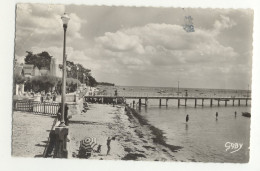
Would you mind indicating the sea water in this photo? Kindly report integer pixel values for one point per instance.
(205, 137)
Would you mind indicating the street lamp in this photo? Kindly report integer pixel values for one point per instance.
(65, 19)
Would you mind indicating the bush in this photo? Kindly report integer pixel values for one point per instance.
(43, 83)
(46, 83)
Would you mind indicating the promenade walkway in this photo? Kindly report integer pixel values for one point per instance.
(30, 134)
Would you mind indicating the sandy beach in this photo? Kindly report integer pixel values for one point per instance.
(135, 138)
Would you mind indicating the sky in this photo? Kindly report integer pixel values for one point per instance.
(144, 46)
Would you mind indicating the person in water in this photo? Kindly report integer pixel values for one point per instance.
(187, 118)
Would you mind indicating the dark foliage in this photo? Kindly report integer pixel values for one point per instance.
(41, 60)
(106, 84)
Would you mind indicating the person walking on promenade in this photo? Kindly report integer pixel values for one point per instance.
(187, 118)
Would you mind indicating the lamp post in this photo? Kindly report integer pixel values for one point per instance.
(65, 19)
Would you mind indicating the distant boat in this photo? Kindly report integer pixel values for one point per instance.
(246, 114)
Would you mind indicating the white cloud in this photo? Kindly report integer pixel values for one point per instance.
(163, 44)
(38, 24)
(164, 48)
(224, 23)
(119, 41)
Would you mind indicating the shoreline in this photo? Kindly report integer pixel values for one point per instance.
(136, 139)
(156, 137)
(159, 138)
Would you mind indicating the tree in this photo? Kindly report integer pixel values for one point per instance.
(92, 81)
(41, 60)
(76, 70)
(106, 84)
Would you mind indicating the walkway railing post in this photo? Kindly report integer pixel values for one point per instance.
(44, 108)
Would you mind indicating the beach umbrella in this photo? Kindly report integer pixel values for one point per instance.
(87, 145)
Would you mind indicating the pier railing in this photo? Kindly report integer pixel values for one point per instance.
(182, 100)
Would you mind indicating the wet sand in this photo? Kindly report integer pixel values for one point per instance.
(135, 138)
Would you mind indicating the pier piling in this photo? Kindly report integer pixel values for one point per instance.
(160, 102)
(178, 102)
(195, 102)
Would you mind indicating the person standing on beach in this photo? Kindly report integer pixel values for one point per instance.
(235, 114)
(216, 115)
(108, 144)
(187, 118)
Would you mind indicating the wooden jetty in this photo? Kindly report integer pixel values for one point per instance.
(182, 101)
